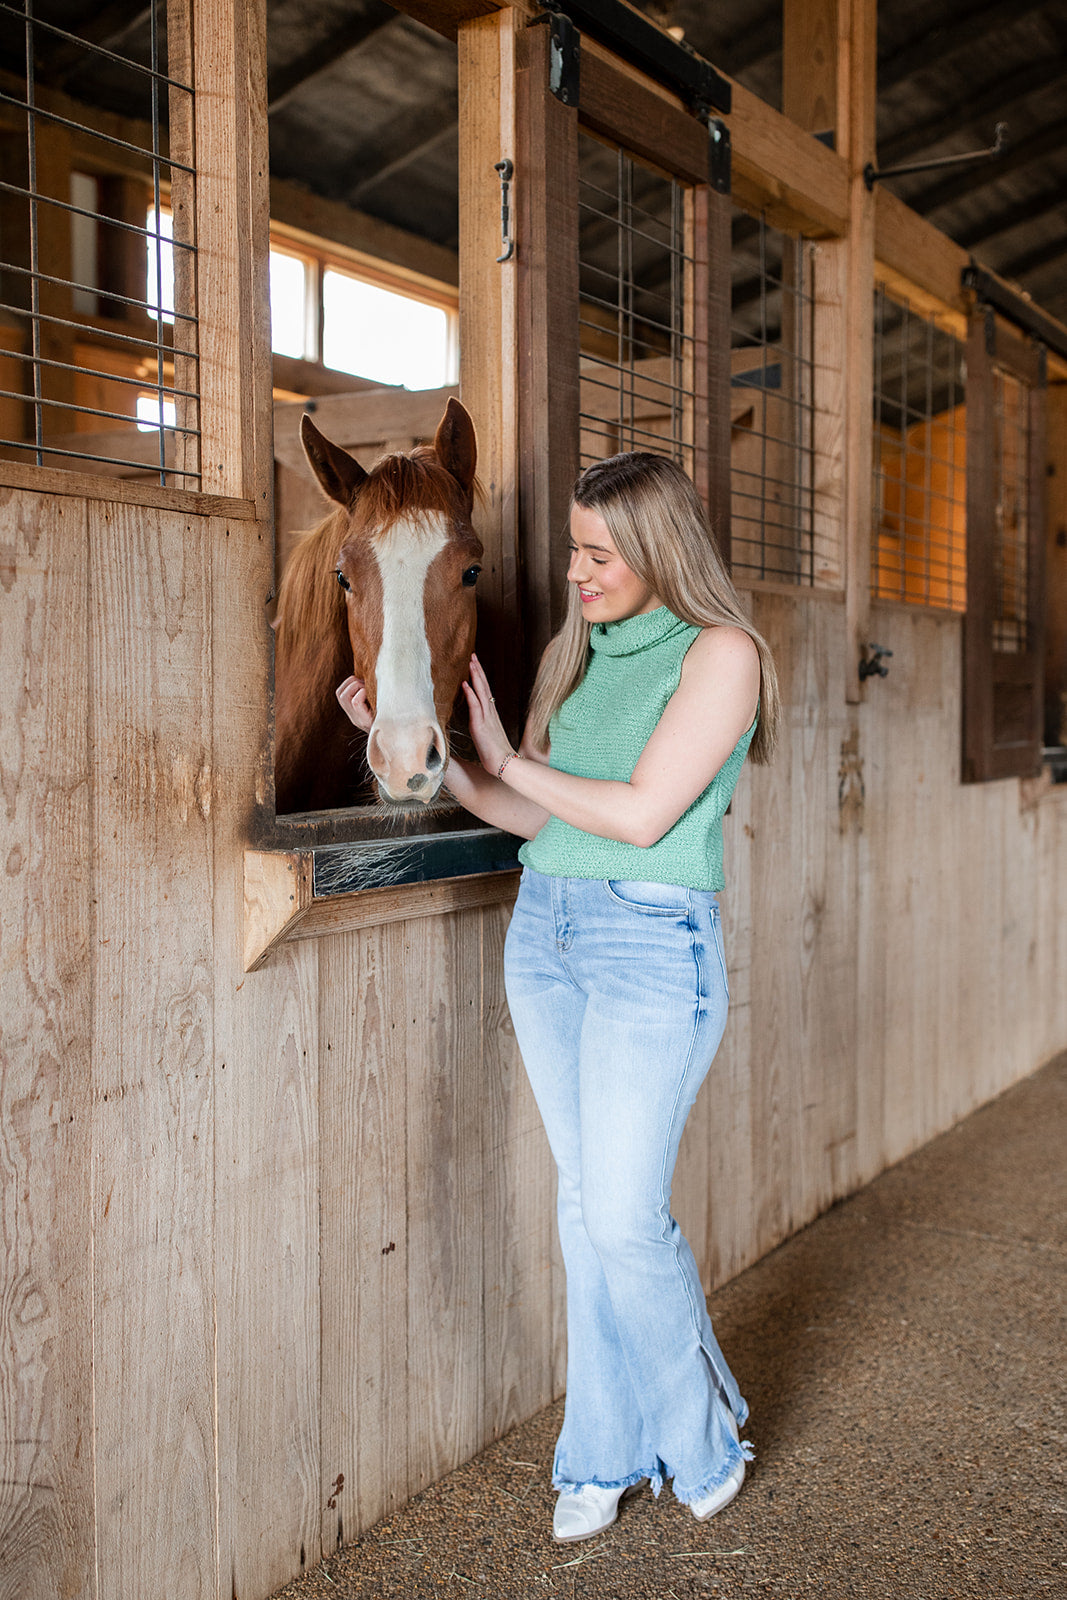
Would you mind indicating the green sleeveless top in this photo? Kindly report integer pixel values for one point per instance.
(600, 731)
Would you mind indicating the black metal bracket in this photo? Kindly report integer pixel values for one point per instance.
(872, 175)
(1014, 307)
(873, 665)
(637, 40)
(506, 169)
(719, 156)
(564, 56)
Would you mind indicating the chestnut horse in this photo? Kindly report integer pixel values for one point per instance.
(382, 589)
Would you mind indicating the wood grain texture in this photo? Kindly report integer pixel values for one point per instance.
(152, 1125)
(488, 318)
(46, 1376)
(267, 1129)
(363, 1090)
(518, 1208)
(435, 1017)
(548, 356)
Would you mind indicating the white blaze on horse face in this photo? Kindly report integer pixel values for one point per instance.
(406, 729)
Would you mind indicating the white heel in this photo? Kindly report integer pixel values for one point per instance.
(720, 1497)
(589, 1512)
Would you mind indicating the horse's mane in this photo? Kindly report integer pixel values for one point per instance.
(399, 484)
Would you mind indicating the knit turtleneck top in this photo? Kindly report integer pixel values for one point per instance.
(600, 731)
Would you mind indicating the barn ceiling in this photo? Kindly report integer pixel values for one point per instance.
(364, 109)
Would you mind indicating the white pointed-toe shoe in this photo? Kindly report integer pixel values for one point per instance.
(589, 1512)
(723, 1493)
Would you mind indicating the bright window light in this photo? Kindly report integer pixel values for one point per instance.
(288, 305)
(160, 287)
(152, 413)
(387, 337)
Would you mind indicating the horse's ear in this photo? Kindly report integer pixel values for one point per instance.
(340, 474)
(455, 444)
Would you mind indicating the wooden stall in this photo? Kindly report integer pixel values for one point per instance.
(279, 1243)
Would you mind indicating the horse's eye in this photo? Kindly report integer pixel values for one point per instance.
(342, 580)
(470, 577)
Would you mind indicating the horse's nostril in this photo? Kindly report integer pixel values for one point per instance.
(433, 759)
(418, 781)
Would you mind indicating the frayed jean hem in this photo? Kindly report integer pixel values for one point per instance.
(653, 1474)
(736, 1455)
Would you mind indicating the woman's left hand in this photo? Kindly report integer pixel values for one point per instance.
(488, 734)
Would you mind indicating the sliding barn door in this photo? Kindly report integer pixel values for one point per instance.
(624, 299)
(1003, 635)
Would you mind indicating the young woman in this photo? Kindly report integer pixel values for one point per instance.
(645, 705)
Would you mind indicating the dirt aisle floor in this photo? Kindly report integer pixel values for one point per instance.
(904, 1361)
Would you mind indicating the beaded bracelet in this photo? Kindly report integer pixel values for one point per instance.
(512, 755)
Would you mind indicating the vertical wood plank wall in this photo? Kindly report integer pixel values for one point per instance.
(279, 1247)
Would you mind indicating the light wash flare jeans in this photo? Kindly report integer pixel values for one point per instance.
(618, 995)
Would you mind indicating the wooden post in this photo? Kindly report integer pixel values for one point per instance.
(233, 248)
(708, 304)
(1056, 569)
(546, 175)
(856, 142)
(488, 380)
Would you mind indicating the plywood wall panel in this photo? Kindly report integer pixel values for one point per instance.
(152, 1054)
(434, 994)
(364, 1178)
(267, 1118)
(518, 1210)
(46, 1401)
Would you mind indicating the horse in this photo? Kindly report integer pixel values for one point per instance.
(383, 589)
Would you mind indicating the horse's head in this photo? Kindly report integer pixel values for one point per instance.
(407, 560)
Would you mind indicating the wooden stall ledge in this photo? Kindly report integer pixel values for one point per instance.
(302, 894)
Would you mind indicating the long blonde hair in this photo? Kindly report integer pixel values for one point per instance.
(660, 529)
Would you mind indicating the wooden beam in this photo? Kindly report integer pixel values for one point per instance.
(968, 29)
(911, 250)
(446, 17)
(488, 314)
(424, 136)
(363, 240)
(797, 182)
(354, 33)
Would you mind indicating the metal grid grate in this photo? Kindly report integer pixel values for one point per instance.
(919, 500)
(773, 525)
(1011, 412)
(87, 325)
(636, 387)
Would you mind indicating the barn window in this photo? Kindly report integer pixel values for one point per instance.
(919, 500)
(1003, 630)
(94, 138)
(773, 531)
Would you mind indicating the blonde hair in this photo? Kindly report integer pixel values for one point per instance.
(660, 529)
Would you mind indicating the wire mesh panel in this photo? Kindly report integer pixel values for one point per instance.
(636, 340)
(919, 500)
(772, 407)
(1011, 416)
(98, 328)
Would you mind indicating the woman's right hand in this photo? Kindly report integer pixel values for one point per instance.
(352, 698)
